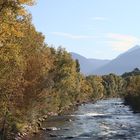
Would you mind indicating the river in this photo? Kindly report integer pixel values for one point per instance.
(105, 120)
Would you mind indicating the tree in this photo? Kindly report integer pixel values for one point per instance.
(113, 85)
(65, 77)
(97, 86)
(13, 18)
(77, 65)
(132, 92)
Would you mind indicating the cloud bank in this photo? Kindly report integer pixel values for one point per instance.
(118, 42)
(121, 42)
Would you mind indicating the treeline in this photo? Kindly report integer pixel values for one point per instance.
(106, 86)
(126, 86)
(37, 80)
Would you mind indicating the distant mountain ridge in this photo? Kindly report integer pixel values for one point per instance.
(87, 66)
(134, 48)
(125, 62)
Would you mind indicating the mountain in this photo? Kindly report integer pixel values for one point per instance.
(134, 48)
(123, 63)
(87, 66)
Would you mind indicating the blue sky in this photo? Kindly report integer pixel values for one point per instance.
(93, 28)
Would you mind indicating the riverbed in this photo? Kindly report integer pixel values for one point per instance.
(105, 120)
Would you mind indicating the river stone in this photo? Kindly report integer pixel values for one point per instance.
(52, 128)
(53, 135)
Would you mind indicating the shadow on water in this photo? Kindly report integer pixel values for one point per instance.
(105, 120)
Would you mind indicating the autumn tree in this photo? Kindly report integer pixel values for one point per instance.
(65, 77)
(77, 65)
(113, 85)
(97, 86)
(13, 18)
(132, 92)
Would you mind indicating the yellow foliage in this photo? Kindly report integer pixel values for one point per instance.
(28, 2)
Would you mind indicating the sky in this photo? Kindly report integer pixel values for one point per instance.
(100, 29)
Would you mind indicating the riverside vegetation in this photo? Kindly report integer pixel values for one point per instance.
(37, 80)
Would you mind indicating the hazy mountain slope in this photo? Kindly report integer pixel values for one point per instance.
(123, 63)
(134, 48)
(87, 66)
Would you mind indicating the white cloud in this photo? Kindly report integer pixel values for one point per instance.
(118, 42)
(98, 18)
(121, 42)
(72, 36)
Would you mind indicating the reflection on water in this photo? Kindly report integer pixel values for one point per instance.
(104, 120)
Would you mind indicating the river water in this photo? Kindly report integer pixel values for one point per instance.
(105, 120)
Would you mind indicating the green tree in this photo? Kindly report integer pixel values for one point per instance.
(77, 65)
(97, 86)
(132, 92)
